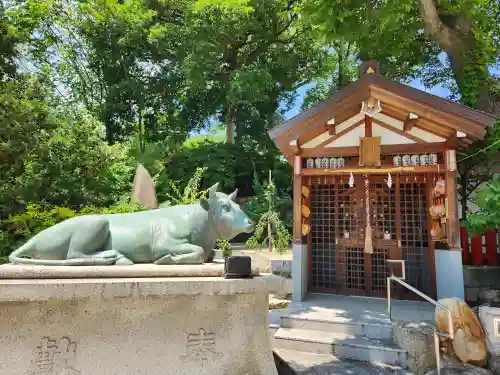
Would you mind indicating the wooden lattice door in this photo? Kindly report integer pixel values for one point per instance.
(339, 263)
(398, 219)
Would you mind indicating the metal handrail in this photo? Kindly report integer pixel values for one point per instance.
(436, 333)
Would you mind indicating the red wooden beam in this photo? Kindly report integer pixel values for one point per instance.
(477, 250)
(368, 126)
(491, 247)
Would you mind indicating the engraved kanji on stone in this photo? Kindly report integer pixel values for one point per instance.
(45, 356)
(53, 358)
(201, 346)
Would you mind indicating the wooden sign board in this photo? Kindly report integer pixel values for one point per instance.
(369, 151)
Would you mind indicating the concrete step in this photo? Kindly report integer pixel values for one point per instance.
(337, 324)
(340, 345)
(290, 362)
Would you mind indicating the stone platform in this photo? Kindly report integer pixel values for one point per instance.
(134, 325)
(328, 334)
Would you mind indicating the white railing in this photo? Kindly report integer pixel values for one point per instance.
(436, 332)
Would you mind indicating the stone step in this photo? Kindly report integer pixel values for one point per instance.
(338, 324)
(291, 362)
(340, 345)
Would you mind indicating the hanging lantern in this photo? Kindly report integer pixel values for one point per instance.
(406, 160)
(415, 160)
(433, 159)
(424, 159)
(340, 162)
(325, 163)
(310, 163)
(397, 160)
(333, 162)
(389, 180)
(317, 162)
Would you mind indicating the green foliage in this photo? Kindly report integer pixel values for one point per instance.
(269, 221)
(227, 164)
(488, 215)
(76, 167)
(225, 247)
(192, 191)
(258, 204)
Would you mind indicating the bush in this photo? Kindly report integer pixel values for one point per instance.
(225, 247)
(230, 165)
(488, 215)
(54, 155)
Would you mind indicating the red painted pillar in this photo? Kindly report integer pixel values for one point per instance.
(476, 244)
(464, 240)
(491, 247)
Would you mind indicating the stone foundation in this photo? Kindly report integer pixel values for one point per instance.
(478, 280)
(150, 326)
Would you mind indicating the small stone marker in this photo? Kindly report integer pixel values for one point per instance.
(143, 190)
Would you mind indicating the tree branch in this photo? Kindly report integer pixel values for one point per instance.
(446, 37)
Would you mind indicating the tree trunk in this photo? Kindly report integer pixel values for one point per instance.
(229, 125)
(459, 46)
(340, 81)
(140, 137)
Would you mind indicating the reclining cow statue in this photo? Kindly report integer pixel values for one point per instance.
(184, 234)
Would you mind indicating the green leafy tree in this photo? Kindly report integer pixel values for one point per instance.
(270, 221)
(477, 166)
(241, 63)
(75, 166)
(406, 35)
(338, 71)
(488, 202)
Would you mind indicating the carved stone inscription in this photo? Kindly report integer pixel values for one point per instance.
(201, 346)
(54, 357)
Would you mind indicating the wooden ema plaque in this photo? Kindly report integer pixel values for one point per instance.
(369, 151)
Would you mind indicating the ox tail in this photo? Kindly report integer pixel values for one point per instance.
(27, 250)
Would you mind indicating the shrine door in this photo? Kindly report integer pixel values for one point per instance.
(338, 262)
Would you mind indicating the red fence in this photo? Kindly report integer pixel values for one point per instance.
(481, 250)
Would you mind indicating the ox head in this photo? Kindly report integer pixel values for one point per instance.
(228, 218)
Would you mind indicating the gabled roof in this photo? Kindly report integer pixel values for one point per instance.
(440, 117)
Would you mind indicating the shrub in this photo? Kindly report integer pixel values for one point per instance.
(225, 247)
(488, 215)
(269, 221)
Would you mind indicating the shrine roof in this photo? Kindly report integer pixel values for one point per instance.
(439, 120)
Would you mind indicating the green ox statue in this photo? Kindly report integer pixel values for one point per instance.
(184, 234)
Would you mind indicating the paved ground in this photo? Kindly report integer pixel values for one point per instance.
(319, 364)
(360, 309)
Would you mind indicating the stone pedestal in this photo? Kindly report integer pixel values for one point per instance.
(130, 326)
(490, 320)
(417, 339)
(299, 272)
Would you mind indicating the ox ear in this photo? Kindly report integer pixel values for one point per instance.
(213, 190)
(233, 195)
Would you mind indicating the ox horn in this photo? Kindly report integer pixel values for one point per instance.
(213, 190)
(233, 195)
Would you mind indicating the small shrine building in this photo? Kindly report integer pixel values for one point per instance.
(374, 180)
